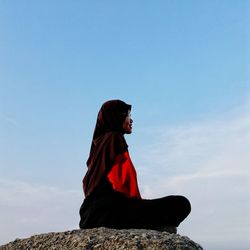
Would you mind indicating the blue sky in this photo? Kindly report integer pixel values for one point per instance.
(184, 67)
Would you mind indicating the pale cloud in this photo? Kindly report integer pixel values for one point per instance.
(191, 147)
(208, 162)
(9, 119)
(28, 209)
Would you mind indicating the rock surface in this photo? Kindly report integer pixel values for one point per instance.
(105, 239)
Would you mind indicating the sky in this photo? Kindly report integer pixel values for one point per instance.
(184, 67)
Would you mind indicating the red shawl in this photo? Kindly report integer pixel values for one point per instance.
(123, 177)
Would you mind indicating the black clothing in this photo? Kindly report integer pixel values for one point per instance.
(106, 208)
(118, 211)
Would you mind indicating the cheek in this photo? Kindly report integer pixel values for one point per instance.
(126, 123)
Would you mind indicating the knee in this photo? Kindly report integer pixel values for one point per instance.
(185, 205)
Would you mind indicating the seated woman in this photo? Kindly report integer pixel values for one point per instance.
(112, 197)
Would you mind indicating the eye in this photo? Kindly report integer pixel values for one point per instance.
(127, 114)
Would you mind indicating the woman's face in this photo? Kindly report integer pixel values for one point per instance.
(127, 124)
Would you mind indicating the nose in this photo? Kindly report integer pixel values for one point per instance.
(131, 121)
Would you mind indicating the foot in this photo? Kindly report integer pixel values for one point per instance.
(169, 229)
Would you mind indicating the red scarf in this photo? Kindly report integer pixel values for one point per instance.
(123, 177)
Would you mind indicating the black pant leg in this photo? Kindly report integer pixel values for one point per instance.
(169, 210)
(118, 211)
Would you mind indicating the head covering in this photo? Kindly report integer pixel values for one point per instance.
(110, 118)
(108, 141)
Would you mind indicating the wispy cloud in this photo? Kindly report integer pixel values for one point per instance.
(9, 119)
(31, 209)
(209, 163)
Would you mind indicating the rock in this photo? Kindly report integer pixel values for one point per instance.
(105, 239)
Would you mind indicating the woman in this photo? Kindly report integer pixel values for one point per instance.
(112, 197)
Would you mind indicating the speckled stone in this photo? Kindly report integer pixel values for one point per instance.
(105, 239)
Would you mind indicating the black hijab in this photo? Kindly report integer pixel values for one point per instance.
(108, 141)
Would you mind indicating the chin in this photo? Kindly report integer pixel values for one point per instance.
(128, 132)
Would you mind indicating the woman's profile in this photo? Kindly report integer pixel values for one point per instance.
(112, 196)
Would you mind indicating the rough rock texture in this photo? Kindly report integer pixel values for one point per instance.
(107, 239)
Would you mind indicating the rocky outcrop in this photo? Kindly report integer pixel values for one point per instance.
(105, 239)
